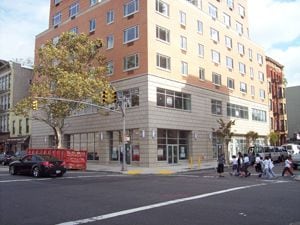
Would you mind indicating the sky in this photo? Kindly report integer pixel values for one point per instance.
(273, 24)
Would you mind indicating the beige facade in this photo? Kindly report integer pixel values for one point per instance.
(185, 76)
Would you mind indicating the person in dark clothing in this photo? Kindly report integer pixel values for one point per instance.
(221, 162)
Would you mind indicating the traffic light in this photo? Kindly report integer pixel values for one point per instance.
(105, 97)
(113, 96)
(34, 104)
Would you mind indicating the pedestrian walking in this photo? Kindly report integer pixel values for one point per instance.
(266, 171)
(258, 161)
(234, 165)
(288, 166)
(221, 162)
(246, 165)
(271, 166)
(240, 162)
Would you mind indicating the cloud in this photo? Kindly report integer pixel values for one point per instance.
(273, 25)
(20, 21)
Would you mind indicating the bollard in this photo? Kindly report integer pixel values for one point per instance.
(191, 162)
(199, 162)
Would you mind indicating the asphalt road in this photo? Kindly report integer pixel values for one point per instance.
(191, 198)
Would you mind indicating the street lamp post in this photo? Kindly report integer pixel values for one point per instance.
(124, 133)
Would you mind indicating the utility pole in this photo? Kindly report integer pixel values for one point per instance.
(123, 109)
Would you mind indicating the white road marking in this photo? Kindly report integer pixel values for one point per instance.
(60, 178)
(157, 205)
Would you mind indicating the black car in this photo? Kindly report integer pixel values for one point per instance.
(38, 165)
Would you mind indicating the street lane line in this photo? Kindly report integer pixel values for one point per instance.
(157, 205)
(59, 178)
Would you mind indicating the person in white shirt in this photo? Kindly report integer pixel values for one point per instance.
(271, 166)
(234, 166)
(266, 167)
(258, 164)
(288, 166)
(246, 165)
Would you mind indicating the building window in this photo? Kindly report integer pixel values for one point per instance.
(130, 34)
(260, 59)
(227, 20)
(215, 56)
(132, 95)
(14, 127)
(163, 61)
(73, 10)
(27, 125)
(216, 107)
(201, 50)
(213, 11)
(261, 76)
(241, 49)
(199, 27)
(92, 25)
(252, 90)
(110, 17)
(110, 41)
(250, 54)
(216, 79)
(183, 43)
(262, 94)
(163, 34)
(230, 4)
(229, 62)
(251, 73)
(239, 28)
(173, 99)
(228, 42)
(230, 83)
(93, 2)
(184, 68)
(162, 7)
(57, 19)
(182, 18)
(259, 115)
(242, 68)
(20, 126)
(131, 62)
(131, 7)
(237, 111)
(243, 87)
(110, 68)
(241, 11)
(201, 73)
(214, 34)
(56, 2)
(74, 30)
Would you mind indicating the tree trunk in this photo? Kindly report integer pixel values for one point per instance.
(58, 137)
(226, 152)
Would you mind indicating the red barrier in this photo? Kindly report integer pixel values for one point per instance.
(72, 158)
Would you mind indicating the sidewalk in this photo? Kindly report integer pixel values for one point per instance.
(134, 170)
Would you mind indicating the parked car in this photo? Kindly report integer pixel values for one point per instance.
(292, 148)
(296, 160)
(38, 165)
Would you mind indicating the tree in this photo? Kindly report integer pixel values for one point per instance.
(251, 136)
(71, 69)
(224, 134)
(273, 137)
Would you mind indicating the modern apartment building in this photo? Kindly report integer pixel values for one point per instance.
(277, 98)
(182, 64)
(15, 80)
(293, 109)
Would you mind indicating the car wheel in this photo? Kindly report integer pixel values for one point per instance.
(12, 170)
(36, 172)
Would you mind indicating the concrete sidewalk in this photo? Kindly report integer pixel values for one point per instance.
(132, 170)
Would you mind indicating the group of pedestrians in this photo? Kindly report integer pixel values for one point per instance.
(263, 166)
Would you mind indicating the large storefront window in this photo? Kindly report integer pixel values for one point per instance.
(172, 145)
(132, 145)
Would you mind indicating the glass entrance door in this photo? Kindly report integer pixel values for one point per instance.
(172, 154)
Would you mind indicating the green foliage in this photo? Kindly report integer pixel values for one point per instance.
(273, 137)
(251, 136)
(72, 69)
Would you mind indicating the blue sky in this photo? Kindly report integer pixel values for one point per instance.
(273, 25)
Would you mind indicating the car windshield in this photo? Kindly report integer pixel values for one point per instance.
(48, 158)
